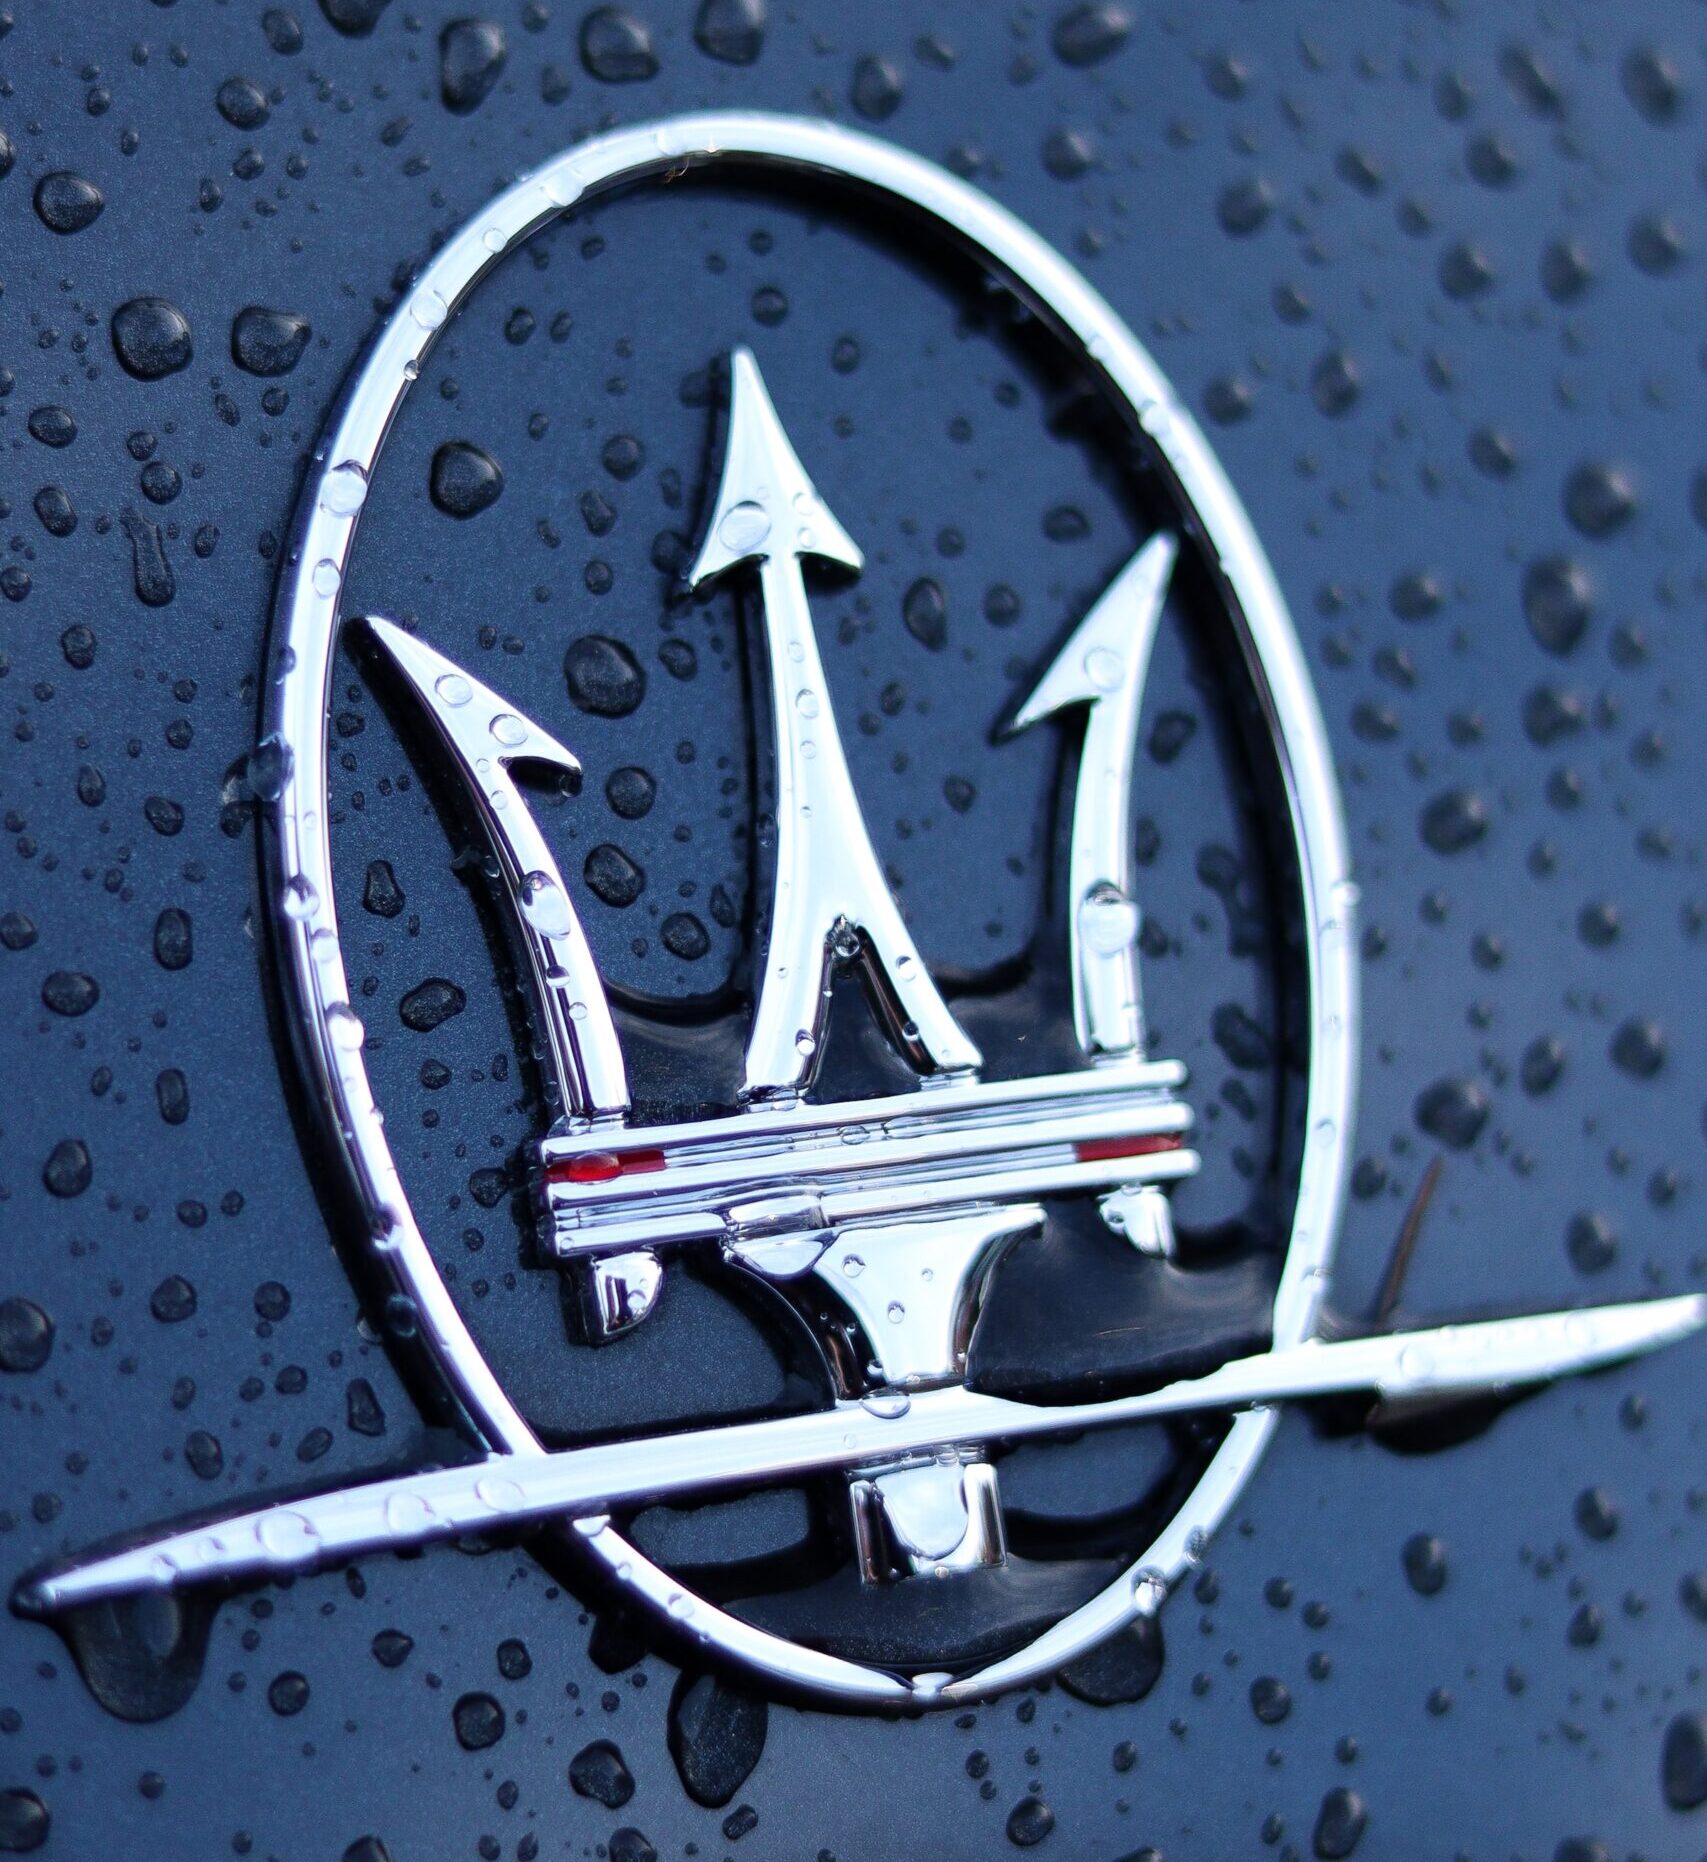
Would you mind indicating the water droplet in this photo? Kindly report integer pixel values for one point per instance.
(325, 578)
(288, 1536)
(497, 1492)
(453, 688)
(67, 203)
(345, 1025)
(151, 338)
(1416, 1362)
(268, 342)
(429, 309)
(744, 527)
(1108, 921)
(344, 490)
(547, 910)
(853, 1265)
(406, 1513)
(1103, 667)
(299, 899)
(509, 729)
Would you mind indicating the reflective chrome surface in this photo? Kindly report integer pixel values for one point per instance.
(828, 894)
(308, 619)
(485, 736)
(1102, 667)
(910, 1292)
(509, 1490)
(958, 1143)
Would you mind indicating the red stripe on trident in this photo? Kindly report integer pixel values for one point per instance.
(605, 1166)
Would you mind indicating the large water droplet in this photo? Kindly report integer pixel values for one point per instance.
(345, 1027)
(344, 490)
(547, 910)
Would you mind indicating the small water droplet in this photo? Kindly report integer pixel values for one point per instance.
(325, 578)
(1103, 667)
(288, 1536)
(406, 1513)
(453, 688)
(500, 1494)
(744, 526)
(299, 899)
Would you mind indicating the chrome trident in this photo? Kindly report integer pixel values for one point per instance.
(1103, 665)
(830, 894)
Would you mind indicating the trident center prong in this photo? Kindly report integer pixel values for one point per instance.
(1103, 667)
(830, 896)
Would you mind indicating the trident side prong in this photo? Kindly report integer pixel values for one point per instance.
(830, 893)
(1103, 666)
(485, 735)
(581, 1058)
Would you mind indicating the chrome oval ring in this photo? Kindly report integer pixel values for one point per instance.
(306, 622)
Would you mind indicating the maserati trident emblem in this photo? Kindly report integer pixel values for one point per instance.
(878, 1221)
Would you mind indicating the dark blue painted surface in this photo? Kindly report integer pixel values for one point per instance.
(1385, 139)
